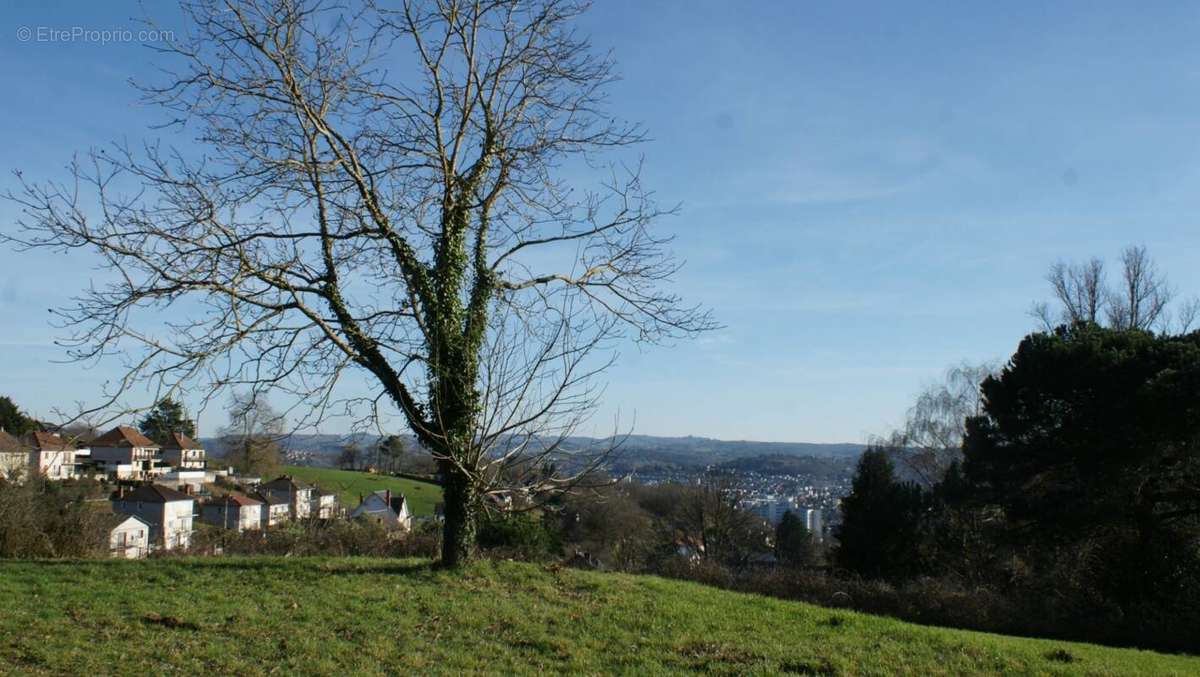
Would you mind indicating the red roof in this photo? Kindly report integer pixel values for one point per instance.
(8, 443)
(235, 500)
(50, 442)
(180, 441)
(123, 436)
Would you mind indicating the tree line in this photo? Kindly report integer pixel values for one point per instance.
(1073, 485)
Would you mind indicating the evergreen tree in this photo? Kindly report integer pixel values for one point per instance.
(793, 542)
(12, 419)
(878, 537)
(168, 416)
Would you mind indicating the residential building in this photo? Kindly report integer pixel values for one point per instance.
(14, 458)
(128, 536)
(390, 510)
(168, 512)
(274, 509)
(52, 457)
(298, 495)
(183, 453)
(232, 511)
(325, 504)
(126, 446)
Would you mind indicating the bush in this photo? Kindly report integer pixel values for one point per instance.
(41, 519)
(521, 535)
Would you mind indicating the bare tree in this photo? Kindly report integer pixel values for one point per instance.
(1142, 298)
(1140, 301)
(1186, 315)
(933, 431)
(379, 193)
(251, 440)
(1080, 290)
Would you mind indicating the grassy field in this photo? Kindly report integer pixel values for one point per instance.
(370, 616)
(348, 485)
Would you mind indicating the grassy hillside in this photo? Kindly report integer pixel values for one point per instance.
(348, 485)
(365, 616)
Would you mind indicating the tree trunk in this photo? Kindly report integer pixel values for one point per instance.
(460, 512)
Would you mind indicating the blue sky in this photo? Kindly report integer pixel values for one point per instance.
(870, 192)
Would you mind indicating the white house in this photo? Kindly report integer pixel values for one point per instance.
(184, 480)
(125, 446)
(325, 504)
(183, 453)
(232, 511)
(14, 458)
(274, 510)
(391, 510)
(168, 512)
(298, 495)
(52, 457)
(128, 536)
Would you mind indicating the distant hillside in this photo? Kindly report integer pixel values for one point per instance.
(636, 451)
(300, 616)
(821, 468)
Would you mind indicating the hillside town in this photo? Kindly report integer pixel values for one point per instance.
(163, 489)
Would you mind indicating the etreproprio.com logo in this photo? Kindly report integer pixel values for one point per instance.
(99, 36)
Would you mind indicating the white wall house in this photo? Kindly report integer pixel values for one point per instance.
(125, 446)
(298, 495)
(14, 458)
(53, 457)
(168, 512)
(183, 453)
(128, 537)
(391, 510)
(275, 510)
(231, 511)
(324, 505)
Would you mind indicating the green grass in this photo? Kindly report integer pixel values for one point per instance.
(370, 616)
(349, 484)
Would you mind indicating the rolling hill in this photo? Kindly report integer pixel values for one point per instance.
(349, 485)
(370, 616)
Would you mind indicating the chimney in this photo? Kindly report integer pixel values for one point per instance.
(387, 497)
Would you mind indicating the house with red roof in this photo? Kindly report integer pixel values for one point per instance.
(182, 452)
(14, 458)
(52, 456)
(126, 450)
(233, 511)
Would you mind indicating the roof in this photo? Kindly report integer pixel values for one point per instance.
(234, 499)
(10, 444)
(263, 497)
(111, 521)
(50, 442)
(123, 436)
(180, 441)
(396, 505)
(153, 493)
(286, 482)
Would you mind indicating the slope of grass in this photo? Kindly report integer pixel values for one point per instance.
(349, 485)
(370, 616)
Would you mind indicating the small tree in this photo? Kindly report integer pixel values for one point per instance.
(349, 456)
(793, 542)
(393, 448)
(168, 416)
